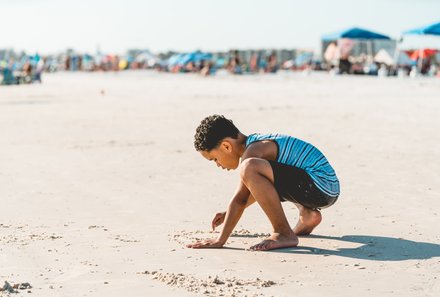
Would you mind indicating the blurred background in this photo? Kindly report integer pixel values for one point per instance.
(377, 37)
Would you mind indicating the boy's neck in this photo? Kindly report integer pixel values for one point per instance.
(241, 143)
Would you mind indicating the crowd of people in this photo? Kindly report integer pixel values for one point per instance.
(25, 69)
(21, 71)
(345, 57)
(364, 65)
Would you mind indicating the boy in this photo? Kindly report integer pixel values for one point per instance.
(273, 168)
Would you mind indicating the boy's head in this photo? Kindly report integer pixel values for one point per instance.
(216, 139)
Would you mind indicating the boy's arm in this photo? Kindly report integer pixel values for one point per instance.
(239, 202)
(220, 216)
(236, 207)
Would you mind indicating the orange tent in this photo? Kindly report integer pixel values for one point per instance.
(422, 54)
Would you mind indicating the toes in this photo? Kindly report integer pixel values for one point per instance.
(255, 247)
(266, 245)
(262, 246)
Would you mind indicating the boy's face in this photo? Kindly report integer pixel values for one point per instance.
(223, 155)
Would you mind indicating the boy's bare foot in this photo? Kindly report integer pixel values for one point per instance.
(276, 241)
(308, 220)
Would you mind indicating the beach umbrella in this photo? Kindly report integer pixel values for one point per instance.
(195, 57)
(174, 59)
(185, 59)
(422, 54)
(433, 29)
(203, 57)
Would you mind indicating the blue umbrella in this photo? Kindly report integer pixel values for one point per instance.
(186, 58)
(174, 59)
(354, 33)
(303, 59)
(194, 57)
(433, 29)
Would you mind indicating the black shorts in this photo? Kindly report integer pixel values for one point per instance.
(295, 185)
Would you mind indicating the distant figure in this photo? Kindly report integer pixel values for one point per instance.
(432, 70)
(74, 63)
(67, 63)
(234, 65)
(8, 77)
(414, 72)
(402, 72)
(39, 70)
(344, 65)
(273, 168)
(254, 63)
(80, 63)
(27, 72)
(208, 69)
(272, 65)
(383, 71)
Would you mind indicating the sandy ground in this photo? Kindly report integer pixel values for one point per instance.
(101, 187)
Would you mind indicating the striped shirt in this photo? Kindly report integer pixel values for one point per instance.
(295, 152)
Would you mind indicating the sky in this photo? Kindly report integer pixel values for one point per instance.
(51, 26)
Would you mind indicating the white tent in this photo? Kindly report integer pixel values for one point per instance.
(144, 56)
(384, 57)
(331, 53)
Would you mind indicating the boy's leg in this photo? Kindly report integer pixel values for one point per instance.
(308, 220)
(258, 177)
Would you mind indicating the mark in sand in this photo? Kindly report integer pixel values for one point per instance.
(185, 237)
(212, 286)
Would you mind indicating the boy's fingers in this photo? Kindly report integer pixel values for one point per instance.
(214, 222)
(194, 245)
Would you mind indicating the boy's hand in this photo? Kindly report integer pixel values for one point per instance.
(207, 243)
(218, 219)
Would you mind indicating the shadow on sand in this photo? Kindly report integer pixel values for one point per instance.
(375, 248)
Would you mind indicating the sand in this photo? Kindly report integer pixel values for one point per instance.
(101, 187)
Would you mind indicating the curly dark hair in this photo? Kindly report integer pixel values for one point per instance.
(212, 130)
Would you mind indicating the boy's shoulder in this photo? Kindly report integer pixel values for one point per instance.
(264, 149)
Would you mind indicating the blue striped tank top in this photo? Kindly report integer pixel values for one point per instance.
(295, 152)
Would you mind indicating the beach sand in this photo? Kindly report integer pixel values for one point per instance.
(101, 187)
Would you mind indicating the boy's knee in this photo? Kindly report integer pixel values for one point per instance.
(249, 167)
(312, 218)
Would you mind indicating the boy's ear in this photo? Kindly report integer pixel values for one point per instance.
(226, 145)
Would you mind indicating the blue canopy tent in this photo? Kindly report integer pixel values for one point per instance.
(354, 33)
(433, 29)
